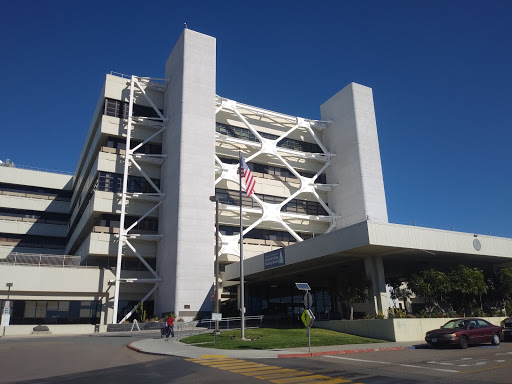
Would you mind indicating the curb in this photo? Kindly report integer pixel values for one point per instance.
(311, 354)
(130, 346)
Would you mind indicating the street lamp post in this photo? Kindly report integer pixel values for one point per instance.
(217, 309)
(8, 285)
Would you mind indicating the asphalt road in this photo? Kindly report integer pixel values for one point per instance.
(106, 359)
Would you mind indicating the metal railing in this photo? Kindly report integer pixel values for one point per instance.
(39, 169)
(234, 322)
(18, 258)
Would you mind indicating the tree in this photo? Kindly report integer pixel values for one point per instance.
(353, 290)
(468, 284)
(432, 286)
(397, 292)
(500, 289)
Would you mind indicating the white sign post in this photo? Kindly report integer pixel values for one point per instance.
(6, 315)
(308, 318)
(216, 317)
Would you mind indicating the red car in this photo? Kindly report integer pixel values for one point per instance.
(465, 331)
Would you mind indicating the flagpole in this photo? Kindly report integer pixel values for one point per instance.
(242, 299)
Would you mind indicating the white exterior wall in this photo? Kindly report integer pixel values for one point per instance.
(58, 283)
(13, 175)
(185, 254)
(406, 236)
(352, 136)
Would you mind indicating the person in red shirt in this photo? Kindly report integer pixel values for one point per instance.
(170, 326)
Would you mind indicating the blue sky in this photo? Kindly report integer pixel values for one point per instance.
(440, 73)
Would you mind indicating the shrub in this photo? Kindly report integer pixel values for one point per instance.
(396, 313)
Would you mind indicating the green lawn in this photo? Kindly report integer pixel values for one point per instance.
(270, 338)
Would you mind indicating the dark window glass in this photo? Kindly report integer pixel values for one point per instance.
(296, 206)
(116, 108)
(246, 134)
(277, 171)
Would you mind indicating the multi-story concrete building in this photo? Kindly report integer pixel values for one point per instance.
(136, 220)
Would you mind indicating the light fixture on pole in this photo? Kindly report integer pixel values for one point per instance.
(215, 199)
(8, 285)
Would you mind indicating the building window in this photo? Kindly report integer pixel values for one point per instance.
(55, 312)
(275, 171)
(246, 134)
(113, 182)
(263, 234)
(116, 108)
(231, 197)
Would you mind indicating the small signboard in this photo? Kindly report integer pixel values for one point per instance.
(308, 300)
(274, 259)
(307, 318)
(216, 316)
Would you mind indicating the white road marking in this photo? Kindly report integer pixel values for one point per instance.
(400, 365)
(462, 362)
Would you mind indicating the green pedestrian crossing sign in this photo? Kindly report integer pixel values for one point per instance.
(307, 318)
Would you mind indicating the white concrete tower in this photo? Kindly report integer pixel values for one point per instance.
(185, 255)
(352, 136)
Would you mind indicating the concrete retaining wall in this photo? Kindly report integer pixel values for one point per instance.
(390, 329)
(60, 329)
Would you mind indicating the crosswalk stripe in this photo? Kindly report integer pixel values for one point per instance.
(213, 361)
(224, 363)
(300, 379)
(331, 380)
(255, 369)
(209, 360)
(273, 374)
(282, 374)
(232, 367)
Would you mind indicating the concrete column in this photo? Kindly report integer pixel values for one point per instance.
(186, 219)
(352, 136)
(377, 293)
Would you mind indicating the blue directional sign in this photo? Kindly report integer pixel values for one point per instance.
(274, 259)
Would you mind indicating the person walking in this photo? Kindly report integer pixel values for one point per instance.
(170, 326)
(164, 329)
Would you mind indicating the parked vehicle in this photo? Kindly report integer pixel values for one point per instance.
(465, 331)
(506, 325)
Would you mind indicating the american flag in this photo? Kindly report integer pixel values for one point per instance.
(249, 179)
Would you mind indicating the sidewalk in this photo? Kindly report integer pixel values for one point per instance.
(173, 347)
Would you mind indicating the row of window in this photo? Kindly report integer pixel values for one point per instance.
(149, 224)
(120, 143)
(34, 216)
(264, 301)
(231, 197)
(113, 182)
(116, 108)
(56, 194)
(275, 171)
(246, 134)
(32, 241)
(263, 234)
(127, 264)
(55, 312)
